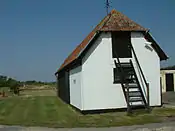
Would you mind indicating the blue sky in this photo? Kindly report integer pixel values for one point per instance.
(37, 35)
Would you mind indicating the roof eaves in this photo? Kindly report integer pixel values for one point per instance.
(87, 44)
(156, 46)
(79, 53)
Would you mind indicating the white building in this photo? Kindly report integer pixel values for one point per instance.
(168, 79)
(116, 66)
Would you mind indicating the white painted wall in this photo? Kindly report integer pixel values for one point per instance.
(99, 92)
(75, 87)
(150, 64)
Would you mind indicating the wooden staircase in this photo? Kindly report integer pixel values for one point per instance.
(133, 92)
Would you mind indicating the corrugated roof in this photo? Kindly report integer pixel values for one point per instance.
(168, 68)
(114, 21)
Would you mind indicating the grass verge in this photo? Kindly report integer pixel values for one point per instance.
(50, 111)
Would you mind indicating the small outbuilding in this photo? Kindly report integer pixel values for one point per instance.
(168, 79)
(116, 66)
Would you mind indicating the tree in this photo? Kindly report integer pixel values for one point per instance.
(3, 80)
(13, 85)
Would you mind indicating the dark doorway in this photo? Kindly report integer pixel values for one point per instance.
(169, 82)
(63, 86)
(120, 44)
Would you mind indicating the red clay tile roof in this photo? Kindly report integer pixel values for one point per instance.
(120, 22)
(114, 21)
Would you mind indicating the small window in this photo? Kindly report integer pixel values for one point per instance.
(127, 72)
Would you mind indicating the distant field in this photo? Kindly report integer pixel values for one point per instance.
(42, 92)
(31, 92)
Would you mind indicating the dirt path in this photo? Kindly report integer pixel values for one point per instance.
(169, 98)
(148, 127)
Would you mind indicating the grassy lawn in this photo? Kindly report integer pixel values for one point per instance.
(50, 111)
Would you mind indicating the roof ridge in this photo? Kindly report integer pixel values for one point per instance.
(114, 21)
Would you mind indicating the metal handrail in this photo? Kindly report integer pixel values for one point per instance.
(143, 76)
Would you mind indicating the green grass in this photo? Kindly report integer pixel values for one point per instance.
(50, 111)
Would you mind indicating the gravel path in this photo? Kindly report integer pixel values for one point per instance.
(169, 98)
(148, 127)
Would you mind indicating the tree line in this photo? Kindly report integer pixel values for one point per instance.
(12, 83)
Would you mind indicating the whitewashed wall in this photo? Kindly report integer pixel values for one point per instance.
(75, 87)
(150, 64)
(99, 92)
(97, 88)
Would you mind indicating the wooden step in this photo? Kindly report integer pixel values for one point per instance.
(137, 106)
(136, 99)
(124, 64)
(134, 94)
(133, 85)
(129, 80)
